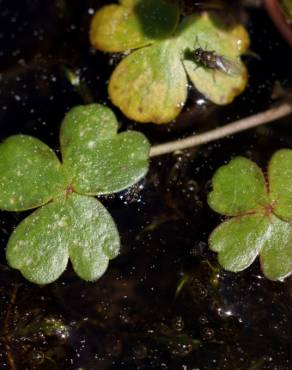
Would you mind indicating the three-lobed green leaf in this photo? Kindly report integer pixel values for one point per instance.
(150, 85)
(262, 222)
(70, 224)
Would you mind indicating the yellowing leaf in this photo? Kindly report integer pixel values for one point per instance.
(132, 24)
(150, 85)
(215, 84)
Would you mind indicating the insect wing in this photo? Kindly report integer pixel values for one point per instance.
(229, 66)
(209, 5)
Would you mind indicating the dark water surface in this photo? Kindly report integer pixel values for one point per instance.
(163, 303)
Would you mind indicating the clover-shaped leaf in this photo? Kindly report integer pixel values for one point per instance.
(150, 85)
(70, 224)
(262, 222)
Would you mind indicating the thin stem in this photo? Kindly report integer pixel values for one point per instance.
(220, 132)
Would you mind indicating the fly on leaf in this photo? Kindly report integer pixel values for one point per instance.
(210, 59)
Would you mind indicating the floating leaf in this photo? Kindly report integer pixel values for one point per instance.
(72, 225)
(30, 173)
(78, 226)
(132, 24)
(38, 246)
(280, 175)
(239, 240)
(239, 190)
(157, 83)
(95, 238)
(101, 161)
(235, 195)
(276, 255)
(150, 85)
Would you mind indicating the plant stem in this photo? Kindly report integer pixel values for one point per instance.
(243, 124)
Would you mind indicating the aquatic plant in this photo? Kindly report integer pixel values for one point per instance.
(70, 222)
(150, 84)
(260, 215)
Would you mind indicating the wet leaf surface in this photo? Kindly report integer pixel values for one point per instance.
(239, 240)
(238, 187)
(280, 177)
(239, 190)
(95, 161)
(100, 161)
(276, 255)
(130, 318)
(150, 85)
(78, 227)
(209, 33)
(38, 247)
(30, 173)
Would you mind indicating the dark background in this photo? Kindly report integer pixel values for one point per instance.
(132, 317)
